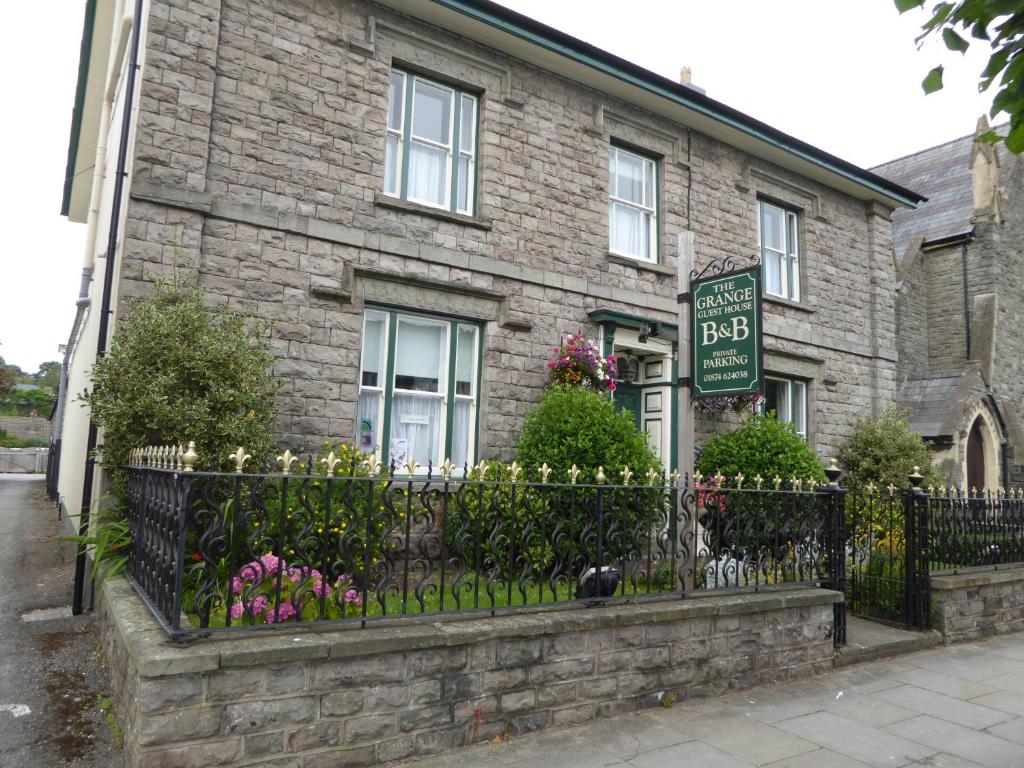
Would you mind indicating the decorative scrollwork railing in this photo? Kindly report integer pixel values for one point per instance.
(216, 551)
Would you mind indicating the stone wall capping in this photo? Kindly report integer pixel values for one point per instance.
(398, 204)
(641, 266)
(976, 577)
(280, 646)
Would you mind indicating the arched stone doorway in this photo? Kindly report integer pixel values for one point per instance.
(976, 474)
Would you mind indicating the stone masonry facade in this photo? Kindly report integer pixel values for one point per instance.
(361, 697)
(259, 160)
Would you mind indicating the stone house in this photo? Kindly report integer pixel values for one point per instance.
(960, 293)
(426, 196)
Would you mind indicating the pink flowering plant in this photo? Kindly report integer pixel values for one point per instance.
(304, 591)
(579, 363)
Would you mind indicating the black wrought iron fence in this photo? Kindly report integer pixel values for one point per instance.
(974, 528)
(354, 543)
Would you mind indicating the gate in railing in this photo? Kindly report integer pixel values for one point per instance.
(886, 554)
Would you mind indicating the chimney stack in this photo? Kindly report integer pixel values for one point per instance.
(685, 76)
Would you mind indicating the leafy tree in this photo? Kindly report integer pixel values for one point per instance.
(1001, 24)
(885, 452)
(8, 378)
(48, 375)
(179, 371)
(761, 445)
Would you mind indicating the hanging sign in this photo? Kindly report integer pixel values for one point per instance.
(725, 318)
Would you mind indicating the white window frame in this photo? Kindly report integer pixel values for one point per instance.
(796, 394)
(386, 382)
(456, 150)
(650, 207)
(790, 253)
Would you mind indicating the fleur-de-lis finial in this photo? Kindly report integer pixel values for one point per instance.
(719, 478)
(447, 468)
(652, 475)
(891, 489)
(481, 469)
(179, 452)
(758, 481)
(931, 490)
(239, 457)
(372, 464)
(626, 474)
(600, 475)
(190, 458)
(740, 477)
(674, 477)
(574, 472)
(796, 483)
(330, 462)
(545, 472)
(286, 460)
(411, 466)
(514, 471)
(811, 484)
(777, 482)
(697, 477)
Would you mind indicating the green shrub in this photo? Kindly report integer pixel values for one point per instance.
(573, 425)
(13, 441)
(761, 445)
(885, 452)
(180, 371)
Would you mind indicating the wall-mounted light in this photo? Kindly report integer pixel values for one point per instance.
(649, 329)
(628, 369)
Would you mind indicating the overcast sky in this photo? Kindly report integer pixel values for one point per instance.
(843, 75)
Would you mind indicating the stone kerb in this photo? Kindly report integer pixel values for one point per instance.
(290, 697)
(978, 602)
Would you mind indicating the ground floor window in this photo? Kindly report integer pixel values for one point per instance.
(787, 399)
(418, 388)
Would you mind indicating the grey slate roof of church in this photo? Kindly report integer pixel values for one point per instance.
(943, 174)
(937, 403)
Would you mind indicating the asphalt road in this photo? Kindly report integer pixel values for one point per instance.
(51, 679)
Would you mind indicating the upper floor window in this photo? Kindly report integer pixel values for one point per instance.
(780, 251)
(632, 205)
(430, 156)
(418, 388)
(787, 399)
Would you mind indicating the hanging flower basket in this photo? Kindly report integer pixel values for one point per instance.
(579, 363)
(737, 404)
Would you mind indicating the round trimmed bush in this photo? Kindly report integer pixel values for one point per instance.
(761, 445)
(573, 425)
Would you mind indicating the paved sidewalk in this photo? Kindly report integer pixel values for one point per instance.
(50, 678)
(956, 707)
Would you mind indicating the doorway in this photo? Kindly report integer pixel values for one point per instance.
(976, 470)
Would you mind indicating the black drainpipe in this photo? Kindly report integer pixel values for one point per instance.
(108, 282)
(967, 311)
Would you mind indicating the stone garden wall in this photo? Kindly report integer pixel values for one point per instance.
(358, 697)
(978, 602)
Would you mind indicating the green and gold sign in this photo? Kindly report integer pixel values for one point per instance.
(725, 315)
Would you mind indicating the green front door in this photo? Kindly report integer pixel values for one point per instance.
(628, 396)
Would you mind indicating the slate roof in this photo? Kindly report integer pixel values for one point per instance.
(937, 403)
(943, 174)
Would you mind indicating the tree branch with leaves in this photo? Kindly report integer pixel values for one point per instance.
(1000, 23)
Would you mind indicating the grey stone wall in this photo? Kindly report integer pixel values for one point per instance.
(361, 697)
(27, 427)
(978, 603)
(260, 157)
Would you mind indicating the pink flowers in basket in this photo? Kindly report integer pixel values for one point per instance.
(579, 363)
(300, 585)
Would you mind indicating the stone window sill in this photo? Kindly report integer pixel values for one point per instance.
(397, 204)
(800, 307)
(642, 266)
